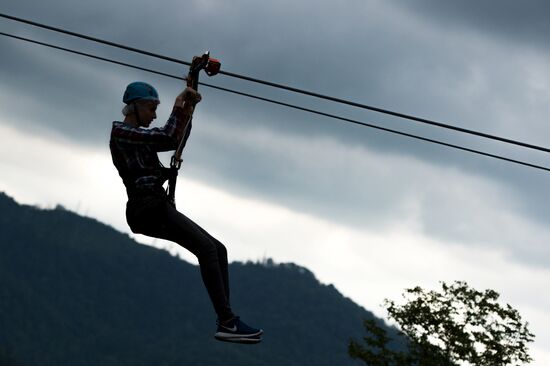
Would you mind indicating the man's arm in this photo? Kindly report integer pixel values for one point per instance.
(167, 137)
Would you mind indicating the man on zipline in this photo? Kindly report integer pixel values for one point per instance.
(149, 211)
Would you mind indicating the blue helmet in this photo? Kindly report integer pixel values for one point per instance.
(139, 90)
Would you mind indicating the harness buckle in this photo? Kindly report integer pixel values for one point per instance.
(175, 162)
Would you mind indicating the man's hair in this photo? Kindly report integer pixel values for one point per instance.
(127, 110)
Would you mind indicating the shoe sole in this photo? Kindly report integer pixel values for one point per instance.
(240, 339)
(237, 335)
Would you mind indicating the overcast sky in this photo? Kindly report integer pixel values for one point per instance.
(371, 212)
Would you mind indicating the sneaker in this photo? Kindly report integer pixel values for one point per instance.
(238, 331)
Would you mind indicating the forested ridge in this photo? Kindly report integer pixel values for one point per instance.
(74, 291)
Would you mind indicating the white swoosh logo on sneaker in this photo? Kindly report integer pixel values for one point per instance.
(233, 329)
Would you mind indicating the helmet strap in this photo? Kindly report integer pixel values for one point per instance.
(136, 113)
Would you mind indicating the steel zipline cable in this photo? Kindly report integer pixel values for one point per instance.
(293, 106)
(285, 87)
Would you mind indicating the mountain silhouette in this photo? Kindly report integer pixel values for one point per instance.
(74, 291)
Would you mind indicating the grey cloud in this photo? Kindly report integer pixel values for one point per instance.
(396, 56)
(354, 187)
(484, 218)
(520, 21)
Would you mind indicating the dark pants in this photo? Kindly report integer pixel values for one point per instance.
(156, 217)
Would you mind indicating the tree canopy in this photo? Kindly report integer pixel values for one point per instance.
(455, 325)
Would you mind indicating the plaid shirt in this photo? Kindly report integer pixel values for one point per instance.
(134, 151)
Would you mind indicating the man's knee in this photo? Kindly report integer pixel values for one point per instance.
(213, 248)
